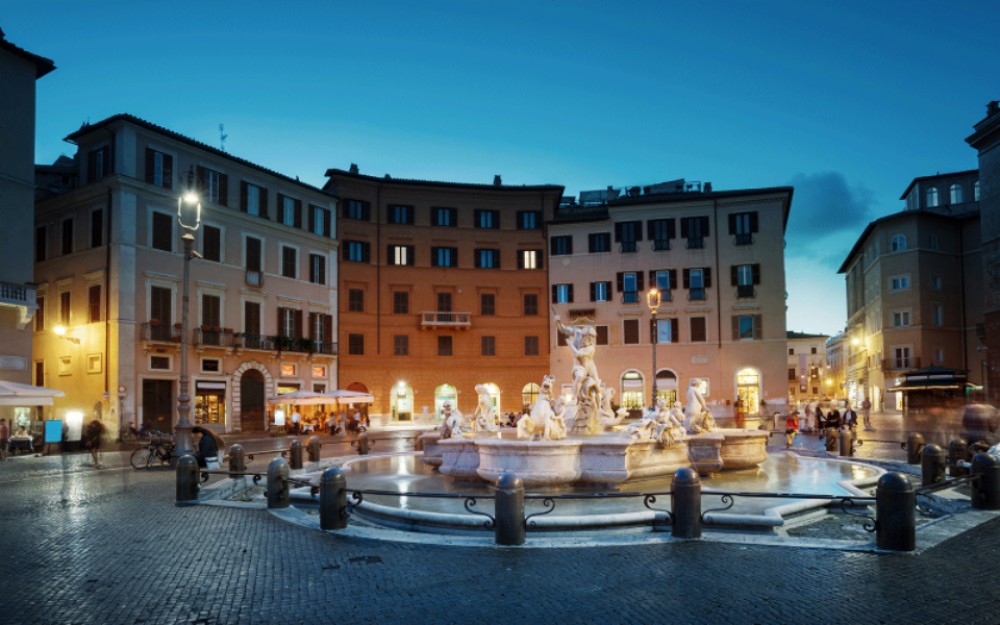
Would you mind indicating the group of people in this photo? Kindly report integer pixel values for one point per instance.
(21, 439)
(332, 423)
(817, 421)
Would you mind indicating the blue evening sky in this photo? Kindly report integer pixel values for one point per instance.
(847, 101)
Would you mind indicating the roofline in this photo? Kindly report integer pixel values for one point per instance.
(923, 178)
(450, 185)
(710, 195)
(42, 65)
(132, 119)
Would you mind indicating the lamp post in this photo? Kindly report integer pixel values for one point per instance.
(187, 204)
(653, 301)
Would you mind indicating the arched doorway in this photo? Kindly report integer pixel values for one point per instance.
(402, 402)
(529, 395)
(666, 386)
(446, 393)
(252, 414)
(748, 389)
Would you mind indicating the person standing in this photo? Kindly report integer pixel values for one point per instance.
(866, 411)
(4, 438)
(92, 441)
(791, 428)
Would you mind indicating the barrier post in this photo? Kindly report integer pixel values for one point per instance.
(333, 499)
(295, 454)
(187, 481)
(932, 465)
(914, 447)
(277, 484)
(509, 510)
(314, 446)
(895, 513)
(685, 504)
(986, 482)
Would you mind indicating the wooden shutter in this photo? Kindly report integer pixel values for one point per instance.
(758, 327)
(732, 223)
(593, 291)
(555, 290)
(753, 221)
(243, 195)
(675, 328)
(263, 202)
(620, 281)
(150, 170)
(733, 275)
(736, 327)
(707, 272)
(570, 298)
(640, 282)
(687, 278)
(755, 270)
(297, 204)
(297, 323)
(673, 278)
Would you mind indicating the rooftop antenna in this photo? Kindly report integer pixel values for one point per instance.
(222, 137)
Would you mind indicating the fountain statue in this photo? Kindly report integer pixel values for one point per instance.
(588, 390)
(453, 421)
(699, 417)
(484, 418)
(543, 423)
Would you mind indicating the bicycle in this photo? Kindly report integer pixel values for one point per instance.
(160, 446)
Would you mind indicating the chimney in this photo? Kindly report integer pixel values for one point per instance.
(496, 181)
(354, 169)
(992, 108)
(707, 187)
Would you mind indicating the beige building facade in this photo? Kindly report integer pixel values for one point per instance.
(110, 267)
(716, 261)
(809, 374)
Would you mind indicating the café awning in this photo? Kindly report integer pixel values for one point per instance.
(14, 394)
(310, 398)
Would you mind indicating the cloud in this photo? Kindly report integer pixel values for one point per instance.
(825, 206)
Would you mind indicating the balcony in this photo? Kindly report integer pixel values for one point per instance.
(746, 291)
(696, 295)
(445, 320)
(743, 239)
(254, 342)
(255, 278)
(210, 336)
(661, 245)
(159, 332)
(900, 364)
(20, 296)
(628, 247)
(696, 243)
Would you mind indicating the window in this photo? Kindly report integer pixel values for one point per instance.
(529, 259)
(317, 269)
(97, 228)
(531, 346)
(444, 256)
(253, 249)
(899, 283)
(358, 210)
(211, 310)
(696, 281)
(488, 346)
(561, 245)
(40, 314)
(747, 327)
(159, 169)
(694, 229)
(289, 322)
(932, 197)
(289, 211)
(251, 319)
(64, 306)
(699, 329)
(665, 280)
(67, 236)
(213, 186)
(401, 255)
(900, 318)
(897, 243)
(163, 232)
(627, 233)
(530, 306)
(602, 335)
(792, 375)
(660, 231)
(487, 259)
(812, 350)
(744, 278)
(934, 242)
(444, 216)
(211, 243)
(289, 261)
(40, 237)
(253, 199)
(600, 291)
(98, 163)
(901, 358)
(400, 345)
(355, 300)
(400, 214)
(487, 304)
(938, 315)
(400, 302)
(791, 351)
(667, 330)
(629, 285)
(161, 308)
(487, 218)
(356, 344)
(356, 251)
(444, 346)
(955, 194)
(630, 331)
(319, 220)
(599, 242)
(94, 303)
(562, 293)
(529, 220)
(936, 283)
(742, 226)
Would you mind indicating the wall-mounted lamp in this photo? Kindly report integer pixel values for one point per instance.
(60, 331)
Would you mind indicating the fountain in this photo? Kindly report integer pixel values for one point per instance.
(582, 440)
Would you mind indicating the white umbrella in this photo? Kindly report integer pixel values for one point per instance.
(14, 394)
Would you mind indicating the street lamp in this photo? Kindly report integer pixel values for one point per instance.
(188, 208)
(653, 301)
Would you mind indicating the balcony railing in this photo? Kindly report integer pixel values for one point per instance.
(208, 336)
(696, 243)
(254, 341)
(159, 332)
(628, 247)
(445, 319)
(17, 294)
(743, 239)
(255, 278)
(900, 364)
(746, 291)
(696, 295)
(661, 245)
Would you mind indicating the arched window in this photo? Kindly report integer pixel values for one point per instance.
(955, 194)
(897, 243)
(932, 197)
(529, 395)
(446, 393)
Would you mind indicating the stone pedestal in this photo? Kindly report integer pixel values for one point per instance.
(432, 450)
(459, 458)
(705, 452)
(743, 449)
(536, 463)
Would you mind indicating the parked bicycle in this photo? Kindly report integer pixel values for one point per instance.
(160, 447)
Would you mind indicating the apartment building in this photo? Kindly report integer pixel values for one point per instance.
(19, 70)
(444, 289)
(914, 291)
(110, 272)
(715, 260)
(809, 374)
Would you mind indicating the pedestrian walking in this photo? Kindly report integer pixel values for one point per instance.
(92, 441)
(866, 411)
(791, 428)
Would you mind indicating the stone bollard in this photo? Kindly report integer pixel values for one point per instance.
(295, 454)
(237, 460)
(314, 446)
(363, 443)
(914, 447)
(846, 440)
(509, 510)
(932, 465)
(333, 499)
(985, 482)
(277, 484)
(957, 453)
(831, 439)
(187, 481)
(895, 513)
(685, 504)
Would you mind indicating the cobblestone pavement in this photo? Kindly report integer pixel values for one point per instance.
(79, 545)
